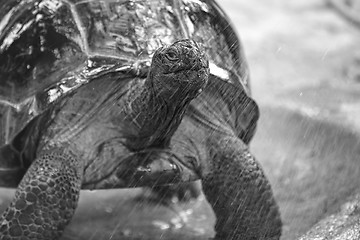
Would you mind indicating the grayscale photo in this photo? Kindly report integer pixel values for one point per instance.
(179, 120)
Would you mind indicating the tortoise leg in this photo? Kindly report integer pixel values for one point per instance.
(45, 200)
(239, 193)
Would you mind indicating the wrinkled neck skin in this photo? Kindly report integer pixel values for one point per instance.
(154, 115)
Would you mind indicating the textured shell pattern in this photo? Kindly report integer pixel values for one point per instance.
(49, 48)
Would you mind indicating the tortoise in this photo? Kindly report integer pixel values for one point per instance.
(113, 94)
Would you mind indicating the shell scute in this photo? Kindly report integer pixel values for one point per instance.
(39, 48)
(49, 48)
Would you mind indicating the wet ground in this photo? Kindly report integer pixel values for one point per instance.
(302, 57)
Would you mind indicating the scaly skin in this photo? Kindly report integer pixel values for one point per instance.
(89, 135)
(155, 108)
(233, 181)
(239, 193)
(208, 143)
(45, 199)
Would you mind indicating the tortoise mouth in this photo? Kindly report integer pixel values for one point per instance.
(193, 82)
(186, 69)
(190, 79)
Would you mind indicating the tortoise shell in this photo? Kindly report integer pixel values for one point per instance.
(49, 48)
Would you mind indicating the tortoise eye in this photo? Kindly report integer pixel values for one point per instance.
(171, 56)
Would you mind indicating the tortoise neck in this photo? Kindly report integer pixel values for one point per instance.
(154, 115)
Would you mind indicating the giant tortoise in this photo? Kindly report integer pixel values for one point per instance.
(113, 94)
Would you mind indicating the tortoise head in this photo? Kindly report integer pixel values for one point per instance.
(179, 71)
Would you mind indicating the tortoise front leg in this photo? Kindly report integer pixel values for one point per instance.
(45, 200)
(239, 193)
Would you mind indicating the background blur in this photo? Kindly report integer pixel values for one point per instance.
(296, 45)
(304, 60)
